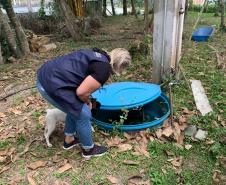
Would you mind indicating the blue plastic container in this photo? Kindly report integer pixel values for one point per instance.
(144, 99)
(202, 34)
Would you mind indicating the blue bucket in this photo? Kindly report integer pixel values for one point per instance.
(202, 34)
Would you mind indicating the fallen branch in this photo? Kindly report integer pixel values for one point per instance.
(27, 146)
(2, 97)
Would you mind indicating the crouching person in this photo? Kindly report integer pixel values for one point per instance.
(67, 82)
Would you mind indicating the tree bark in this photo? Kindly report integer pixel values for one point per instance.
(70, 20)
(20, 35)
(124, 7)
(112, 7)
(104, 8)
(146, 18)
(1, 58)
(9, 35)
(186, 9)
(222, 5)
(133, 8)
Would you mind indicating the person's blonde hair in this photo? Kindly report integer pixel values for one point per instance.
(120, 60)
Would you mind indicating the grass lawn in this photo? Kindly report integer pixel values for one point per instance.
(21, 123)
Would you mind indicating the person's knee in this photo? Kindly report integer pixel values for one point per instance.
(85, 113)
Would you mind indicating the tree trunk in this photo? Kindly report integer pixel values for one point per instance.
(9, 35)
(186, 9)
(146, 18)
(124, 7)
(112, 7)
(70, 20)
(206, 7)
(217, 6)
(104, 8)
(21, 37)
(151, 23)
(1, 58)
(133, 8)
(222, 5)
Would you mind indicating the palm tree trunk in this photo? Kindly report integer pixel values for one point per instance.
(70, 20)
(112, 7)
(1, 58)
(21, 37)
(124, 7)
(133, 8)
(9, 35)
(146, 18)
(222, 13)
(104, 8)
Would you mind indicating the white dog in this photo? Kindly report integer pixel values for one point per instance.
(53, 116)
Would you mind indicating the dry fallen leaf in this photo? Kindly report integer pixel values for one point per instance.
(158, 133)
(177, 162)
(113, 179)
(182, 119)
(218, 178)
(223, 124)
(142, 151)
(210, 142)
(128, 136)
(169, 153)
(188, 147)
(180, 139)
(26, 148)
(104, 133)
(167, 131)
(124, 147)
(114, 141)
(5, 168)
(185, 110)
(137, 180)
(30, 179)
(223, 161)
(64, 168)
(2, 115)
(37, 164)
(3, 159)
(129, 162)
(15, 111)
(3, 152)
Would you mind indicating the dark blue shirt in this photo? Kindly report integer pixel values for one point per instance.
(61, 76)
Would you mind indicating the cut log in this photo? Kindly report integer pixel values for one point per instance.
(37, 42)
(200, 97)
(47, 47)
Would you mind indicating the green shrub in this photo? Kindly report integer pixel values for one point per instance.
(209, 9)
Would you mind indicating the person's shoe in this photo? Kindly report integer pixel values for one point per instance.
(68, 146)
(95, 151)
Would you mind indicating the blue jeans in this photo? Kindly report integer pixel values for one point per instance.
(80, 125)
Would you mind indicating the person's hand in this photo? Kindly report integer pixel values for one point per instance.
(90, 105)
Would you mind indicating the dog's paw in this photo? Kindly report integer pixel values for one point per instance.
(49, 145)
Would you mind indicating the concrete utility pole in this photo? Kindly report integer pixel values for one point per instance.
(167, 36)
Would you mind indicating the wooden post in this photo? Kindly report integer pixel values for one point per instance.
(167, 36)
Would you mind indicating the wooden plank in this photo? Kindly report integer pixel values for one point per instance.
(201, 100)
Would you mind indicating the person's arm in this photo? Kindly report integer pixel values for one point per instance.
(86, 88)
